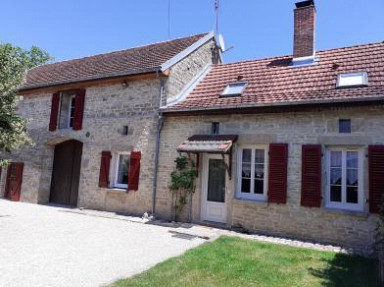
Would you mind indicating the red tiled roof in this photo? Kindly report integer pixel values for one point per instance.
(275, 81)
(126, 62)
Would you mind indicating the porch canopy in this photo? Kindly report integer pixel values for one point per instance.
(220, 144)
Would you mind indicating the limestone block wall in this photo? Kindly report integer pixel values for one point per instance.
(315, 127)
(107, 110)
(185, 70)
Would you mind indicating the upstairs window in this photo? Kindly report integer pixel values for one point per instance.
(215, 129)
(345, 126)
(67, 110)
(234, 89)
(352, 80)
(71, 110)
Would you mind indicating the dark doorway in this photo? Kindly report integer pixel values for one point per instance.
(66, 173)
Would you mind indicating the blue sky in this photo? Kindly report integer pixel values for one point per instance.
(257, 29)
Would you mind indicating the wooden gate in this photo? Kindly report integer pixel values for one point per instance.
(66, 173)
(14, 180)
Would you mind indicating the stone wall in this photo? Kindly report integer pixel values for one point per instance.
(107, 110)
(316, 127)
(184, 71)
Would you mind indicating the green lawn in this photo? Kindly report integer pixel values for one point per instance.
(231, 261)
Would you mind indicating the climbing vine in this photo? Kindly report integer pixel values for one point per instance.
(183, 184)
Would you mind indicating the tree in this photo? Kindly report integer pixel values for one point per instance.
(183, 184)
(14, 62)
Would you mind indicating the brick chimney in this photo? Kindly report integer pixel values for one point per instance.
(304, 37)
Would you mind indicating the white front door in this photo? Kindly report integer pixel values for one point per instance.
(213, 205)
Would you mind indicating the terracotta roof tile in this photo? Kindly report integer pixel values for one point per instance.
(275, 80)
(125, 62)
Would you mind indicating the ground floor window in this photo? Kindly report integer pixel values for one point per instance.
(122, 168)
(252, 173)
(345, 176)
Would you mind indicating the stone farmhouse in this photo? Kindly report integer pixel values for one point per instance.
(291, 145)
(94, 124)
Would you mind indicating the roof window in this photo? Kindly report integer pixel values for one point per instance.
(234, 89)
(352, 80)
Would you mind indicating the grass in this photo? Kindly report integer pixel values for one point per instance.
(231, 261)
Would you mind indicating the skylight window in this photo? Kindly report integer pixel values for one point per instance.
(352, 80)
(234, 89)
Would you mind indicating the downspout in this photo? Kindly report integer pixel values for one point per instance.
(158, 134)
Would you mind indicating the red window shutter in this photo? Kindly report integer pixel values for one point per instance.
(54, 111)
(104, 169)
(134, 171)
(277, 178)
(311, 176)
(14, 181)
(79, 110)
(376, 176)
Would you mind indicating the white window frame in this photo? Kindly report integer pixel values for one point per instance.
(360, 190)
(115, 183)
(251, 195)
(348, 80)
(240, 85)
(69, 110)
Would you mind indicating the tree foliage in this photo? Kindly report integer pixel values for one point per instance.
(183, 181)
(14, 62)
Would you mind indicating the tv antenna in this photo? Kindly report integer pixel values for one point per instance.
(217, 12)
(169, 19)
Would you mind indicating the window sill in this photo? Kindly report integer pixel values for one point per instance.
(255, 201)
(117, 189)
(358, 213)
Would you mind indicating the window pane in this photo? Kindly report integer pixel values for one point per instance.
(259, 171)
(234, 89)
(352, 159)
(259, 156)
(246, 171)
(216, 180)
(72, 111)
(246, 185)
(335, 175)
(352, 194)
(259, 186)
(247, 155)
(345, 126)
(122, 173)
(336, 158)
(352, 177)
(335, 193)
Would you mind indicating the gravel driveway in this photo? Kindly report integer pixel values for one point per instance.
(52, 246)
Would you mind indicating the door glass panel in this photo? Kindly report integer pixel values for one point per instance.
(216, 180)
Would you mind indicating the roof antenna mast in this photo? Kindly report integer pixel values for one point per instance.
(217, 10)
(169, 19)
